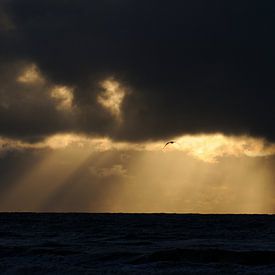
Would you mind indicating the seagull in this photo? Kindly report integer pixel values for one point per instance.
(169, 142)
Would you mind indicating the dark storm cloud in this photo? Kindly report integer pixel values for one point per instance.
(27, 110)
(192, 66)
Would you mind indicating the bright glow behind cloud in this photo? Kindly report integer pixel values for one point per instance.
(112, 97)
(64, 97)
(207, 148)
(31, 75)
(211, 147)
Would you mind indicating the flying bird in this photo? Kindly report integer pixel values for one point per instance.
(169, 142)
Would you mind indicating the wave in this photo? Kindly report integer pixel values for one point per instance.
(207, 256)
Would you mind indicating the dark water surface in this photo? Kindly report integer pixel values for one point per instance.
(136, 244)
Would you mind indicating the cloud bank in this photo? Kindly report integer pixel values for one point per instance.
(136, 70)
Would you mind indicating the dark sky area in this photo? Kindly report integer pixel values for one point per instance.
(190, 66)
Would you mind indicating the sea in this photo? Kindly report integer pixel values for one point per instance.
(84, 243)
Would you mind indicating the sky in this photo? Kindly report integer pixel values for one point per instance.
(90, 92)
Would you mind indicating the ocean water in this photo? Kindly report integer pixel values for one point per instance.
(33, 243)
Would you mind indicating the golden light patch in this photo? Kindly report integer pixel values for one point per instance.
(211, 147)
(93, 144)
(31, 75)
(112, 97)
(61, 141)
(63, 96)
(58, 141)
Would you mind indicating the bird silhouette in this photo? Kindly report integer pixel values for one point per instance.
(169, 142)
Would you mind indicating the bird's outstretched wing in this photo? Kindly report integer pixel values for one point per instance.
(169, 142)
